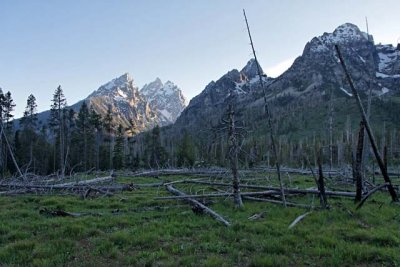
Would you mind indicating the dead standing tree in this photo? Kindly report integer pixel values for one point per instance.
(378, 157)
(268, 114)
(357, 172)
(233, 156)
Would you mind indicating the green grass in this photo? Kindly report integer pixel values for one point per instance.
(176, 236)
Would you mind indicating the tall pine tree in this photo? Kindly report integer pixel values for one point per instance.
(56, 122)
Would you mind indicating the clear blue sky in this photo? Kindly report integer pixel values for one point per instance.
(83, 44)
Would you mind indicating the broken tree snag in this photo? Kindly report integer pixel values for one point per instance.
(358, 163)
(385, 157)
(233, 157)
(378, 157)
(370, 193)
(267, 112)
(199, 205)
(321, 184)
(321, 199)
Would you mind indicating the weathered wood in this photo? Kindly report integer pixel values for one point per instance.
(321, 199)
(269, 115)
(63, 213)
(289, 204)
(358, 163)
(378, 157)
(321, 184)
(287, 190)
(298, 219)
(233, 157)
(230, 194)
(376, 189)
(88, 182)
(197, 204)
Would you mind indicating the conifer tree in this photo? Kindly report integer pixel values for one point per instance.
(96, 122)
(186, 151)
(56, 122)
(84, 133)
(29, 123)
(109, 127)
(118, 155)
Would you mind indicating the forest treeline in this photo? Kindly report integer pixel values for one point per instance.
(72, 141)
(79, 141)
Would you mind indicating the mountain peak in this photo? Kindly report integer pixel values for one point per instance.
(125, 77)
(344, 34)
(251, 70)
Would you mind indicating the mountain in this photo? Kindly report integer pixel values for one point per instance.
(155, 103)
(302, 99)
(165, 98)
(127, 105)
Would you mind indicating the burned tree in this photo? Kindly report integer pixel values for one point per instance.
(267, 113)
(233, 155)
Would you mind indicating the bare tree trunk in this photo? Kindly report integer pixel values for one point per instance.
(321, 184)
(268, 115)
(357, 164)
(331, 131)
(233, 157)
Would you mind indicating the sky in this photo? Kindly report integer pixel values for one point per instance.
(82, 44)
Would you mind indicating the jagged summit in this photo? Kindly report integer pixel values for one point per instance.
(121, 85)
(345, 34)
(251, 70)
(166, 97)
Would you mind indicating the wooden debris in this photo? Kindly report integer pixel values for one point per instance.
(257, 216)
(379, 187)
(358, 164)
(321, 184)
(194, 202)
(289, 204)
(88, 182)
(63, 213)
(298, 219)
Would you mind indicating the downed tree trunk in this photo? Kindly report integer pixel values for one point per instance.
(199, 205)
(119, 187)
(63, 213)
(289, 204)
(287, 190)
(127, 187)
(87, 182)
(376, 189)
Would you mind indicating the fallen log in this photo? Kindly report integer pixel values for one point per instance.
(289, 204)
(379, 187)
(269, 192)
(199, 205)
(287, 190)
(14, 192)
(88, 182)
(120, 187)
(63, 213)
